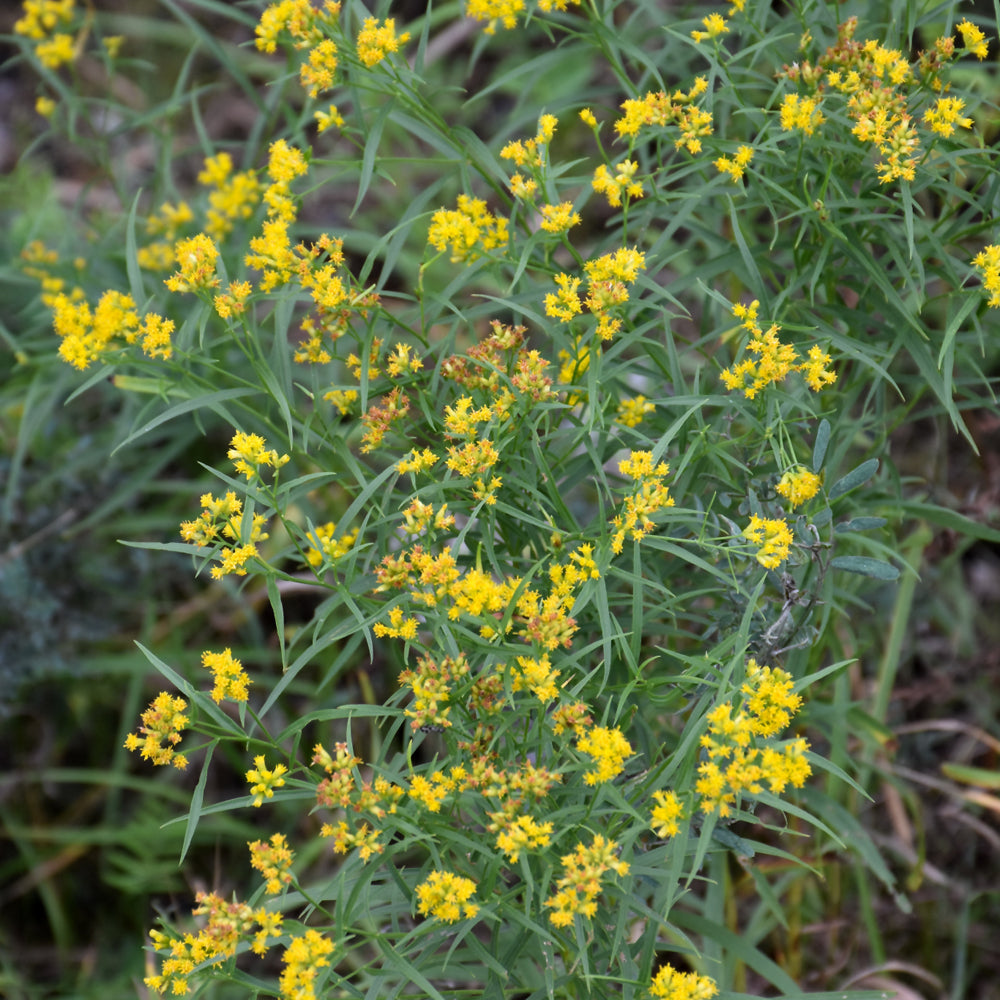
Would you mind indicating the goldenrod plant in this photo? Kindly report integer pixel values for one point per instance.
(547, 354)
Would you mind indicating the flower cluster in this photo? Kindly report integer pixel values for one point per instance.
(987, 262)
(632, 411)
(222, 524)
(775, 360)
(671, 984)
(506, 12)
(197, 258)
(306, 26)
(162, 724)
(801, 113)
(667, 814)
(735, 166)
(376, 41)
(523, 834)
(773, 539)
(326, 547)
(649, 495)
(250, 454)
(44, 23)
(264, 780)
(735, 763)
(532, 156)
(660, 109)
(303, 958)
(877, 86)
(621, 183)
(468, 231)
(714, 24)
(230, 679)
(273, 859)
(608, 278)
(89, 335)
(447, 896)
(580, 883)
(341, 789)
(608, 749)
(231, 196)
(225, 925)
(799, 485)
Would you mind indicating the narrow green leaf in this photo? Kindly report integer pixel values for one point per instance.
(865, 566)
(950, 519)
(736, 946)
(373, 136)
(738, 845)
(860, 524)
(821, 444)
(212, 401)
(954, 325)
(132, 268)
(854, 478)
(197, 798)
(278, 609)
(981, 777)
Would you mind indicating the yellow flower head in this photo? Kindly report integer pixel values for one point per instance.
(801, 113)
(715, 25)
(973, 39)
(773, 538)
(559, 218)
(987, 263)
(608, 749)
(263, 780)
(447, 896)
(669, 984)
(799, 485)
(376, 41)
(230, 679)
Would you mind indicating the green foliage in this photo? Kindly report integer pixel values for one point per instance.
(557, 381)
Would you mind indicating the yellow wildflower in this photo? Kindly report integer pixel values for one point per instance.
(801, 113)
(196, 257)
(773, 538)
(987, 262)
(447, 896)
(799, 485)
(230, 679)
(735, 166)
(648, 496)
(715, 25)
(622, 182)
(632, 411)
(376, 42)
(669, 984)
(973, 39)
(263, 781)
(303, 957)
(579, 885)
(273, 859)
(522, 834)
(469, 231)
(249, 454)
(559, 218)
(328, 119)
(946, 115)
(608, 749)
(666, 814)
(161, 728)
